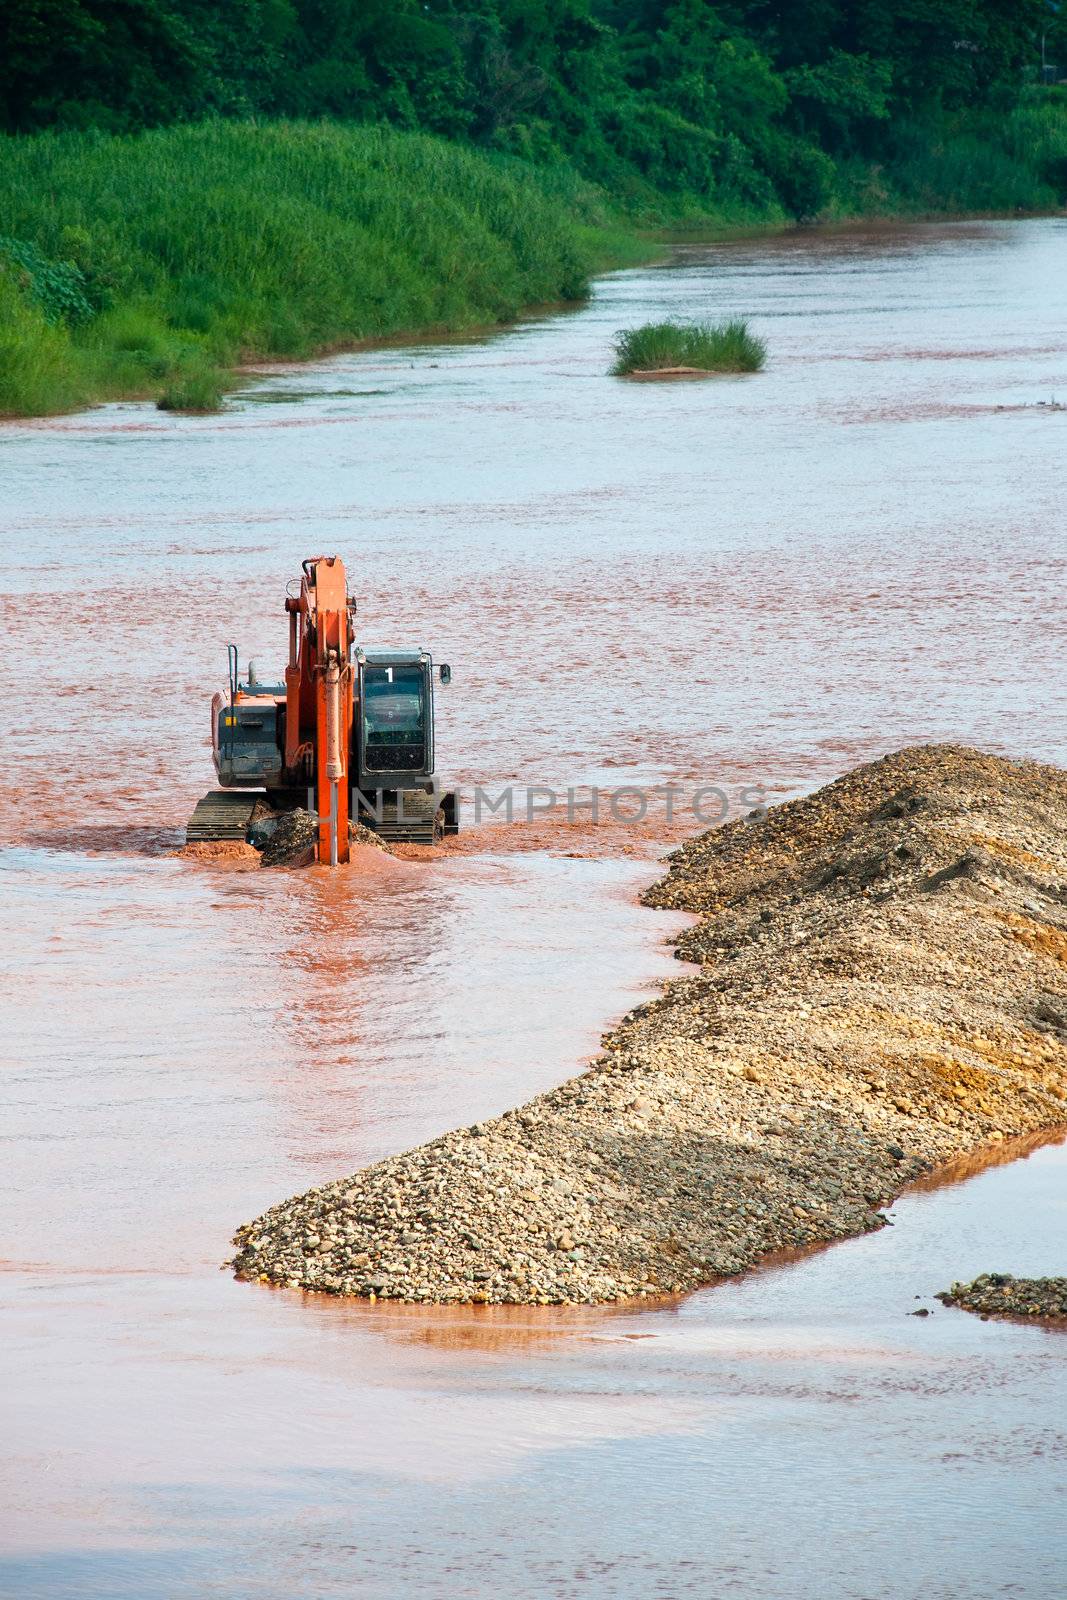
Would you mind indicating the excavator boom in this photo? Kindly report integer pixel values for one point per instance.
(319, 701)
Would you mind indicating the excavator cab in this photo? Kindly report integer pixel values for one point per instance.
(246, 748)
(396, 725)
(395, 753)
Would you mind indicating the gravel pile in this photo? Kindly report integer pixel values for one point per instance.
(998, 1294)
(883, 987)
(220, 850)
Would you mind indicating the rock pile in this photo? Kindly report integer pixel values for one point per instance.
(883, 986)
(998, 1294)
(291, 841)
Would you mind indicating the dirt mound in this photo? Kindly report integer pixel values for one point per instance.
(218, 850)
(883, 988)
(998, 1294)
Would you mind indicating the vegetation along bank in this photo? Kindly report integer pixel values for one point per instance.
(882, 987)
(185, 185)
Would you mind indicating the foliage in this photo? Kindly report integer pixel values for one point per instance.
(711, 346)
(209, 243)
(57, 286)
(190, 205)
(199, 388)
(37, 373)
(721, 104)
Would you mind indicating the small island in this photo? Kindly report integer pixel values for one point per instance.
(687, 350)
(999, 1294)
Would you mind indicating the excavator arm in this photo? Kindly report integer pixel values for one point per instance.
(319, 703)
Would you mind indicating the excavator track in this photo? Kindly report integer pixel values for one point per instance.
(421, 823)
(222, 814)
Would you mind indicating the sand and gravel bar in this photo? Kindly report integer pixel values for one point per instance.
(999, 1294)
(882, 988)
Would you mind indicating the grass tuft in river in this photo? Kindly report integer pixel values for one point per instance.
(197, 388)
(702, 346)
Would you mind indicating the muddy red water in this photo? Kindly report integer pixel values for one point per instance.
(752, 582)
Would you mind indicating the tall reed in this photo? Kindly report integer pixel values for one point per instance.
(204, 245)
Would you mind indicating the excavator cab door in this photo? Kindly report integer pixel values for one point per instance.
(396, 719)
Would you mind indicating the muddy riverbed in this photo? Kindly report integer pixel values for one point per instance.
(754, 582)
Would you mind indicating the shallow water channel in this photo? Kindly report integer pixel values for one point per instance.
(748, 582)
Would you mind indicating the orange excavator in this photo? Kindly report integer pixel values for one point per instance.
(348, 734)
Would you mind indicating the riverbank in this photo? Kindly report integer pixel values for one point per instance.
(153, 265)
(881, 992)
(150, 265)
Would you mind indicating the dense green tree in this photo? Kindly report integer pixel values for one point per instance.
(743, 100)
(137, 63)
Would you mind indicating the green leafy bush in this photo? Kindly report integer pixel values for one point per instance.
(57, 286)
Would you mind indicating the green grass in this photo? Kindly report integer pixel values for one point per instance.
(193, 389)
(978, 164)
(710, 346)
(36, 372)
(197, 247)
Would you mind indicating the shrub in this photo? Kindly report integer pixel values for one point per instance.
(197, 388)
(39, 371)
(58, 287)
(803, 175)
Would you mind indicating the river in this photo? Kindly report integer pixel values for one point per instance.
(749, 582)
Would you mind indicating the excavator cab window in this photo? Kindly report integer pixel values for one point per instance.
(394, 718)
